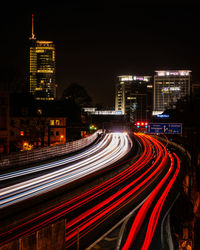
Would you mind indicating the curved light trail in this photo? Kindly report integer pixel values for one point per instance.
(139, 183)
(157, 209)
(115, 146)
(47, 166)
(170, 177)
(101, 212)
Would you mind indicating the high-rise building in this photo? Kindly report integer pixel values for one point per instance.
(42, 68)
(133, 97)
(169, 86)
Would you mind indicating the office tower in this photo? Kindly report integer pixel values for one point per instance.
(133, 97)
(169, 86)
(42, 68)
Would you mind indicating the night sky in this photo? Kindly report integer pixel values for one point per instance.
(96, 41)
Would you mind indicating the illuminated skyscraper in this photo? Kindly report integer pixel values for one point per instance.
(42, 68)
(169, 86)
(133, 97)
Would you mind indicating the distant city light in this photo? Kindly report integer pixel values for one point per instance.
(22, 133)
(92, 127)
(89, 109)
(167, 89)
(93, 111)
(141, 124)
(126, 78)
(173, 72)
(162, 116)
(141, 78)
(175, 88)
(155, 113)
(135, 78)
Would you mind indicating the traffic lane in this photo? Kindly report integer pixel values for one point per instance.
(114, 178)
(18, 176)
(144, 224)
(104, 217)
(34, 166)
(168, 203)
(108, 169)
(105, 223)
(117, 149)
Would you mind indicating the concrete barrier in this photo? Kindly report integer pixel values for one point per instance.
(36, 155)
(13, 245)
(28, 243)
(50, 237)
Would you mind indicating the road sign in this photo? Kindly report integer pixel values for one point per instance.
(164, 128)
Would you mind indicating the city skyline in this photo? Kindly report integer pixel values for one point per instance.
(95, 44)
(99, 125)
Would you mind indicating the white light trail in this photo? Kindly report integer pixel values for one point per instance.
(113, 148)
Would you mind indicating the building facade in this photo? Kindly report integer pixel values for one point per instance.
(133, 97)
(42, 68)
(27, 132)
(169, 86)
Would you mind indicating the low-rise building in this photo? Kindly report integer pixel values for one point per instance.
(36, 131)
(35, 124)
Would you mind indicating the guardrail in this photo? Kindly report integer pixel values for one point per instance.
(181, 148)
(36, 155)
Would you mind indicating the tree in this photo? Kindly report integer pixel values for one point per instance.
(78, 94)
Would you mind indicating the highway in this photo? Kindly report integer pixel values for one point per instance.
(136, 183)
(145, 183)
(113, 147)
(145, 222)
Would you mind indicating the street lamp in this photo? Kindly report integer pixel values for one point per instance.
(61, 138)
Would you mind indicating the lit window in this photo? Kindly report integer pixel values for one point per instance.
(51, 122)
(57, 122)
(39, 111)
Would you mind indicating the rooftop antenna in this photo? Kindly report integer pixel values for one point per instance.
(32, 33)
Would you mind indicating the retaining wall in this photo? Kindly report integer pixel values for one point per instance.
(50, 237)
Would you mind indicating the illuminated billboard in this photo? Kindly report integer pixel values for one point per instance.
(173, 72)
(126, 78)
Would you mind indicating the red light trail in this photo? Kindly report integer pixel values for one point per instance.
(156, 211)
(146, 175)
